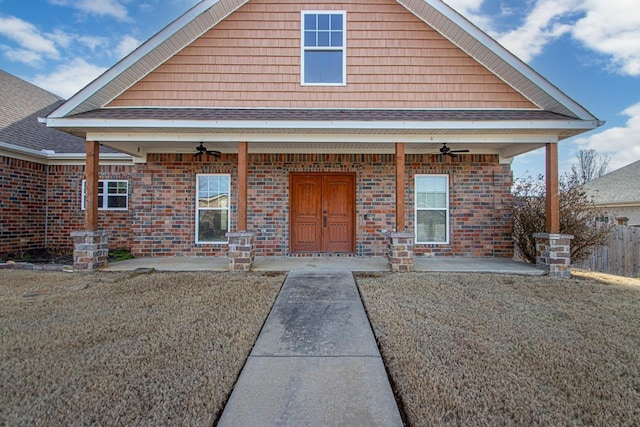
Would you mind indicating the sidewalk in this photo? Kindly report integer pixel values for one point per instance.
(315, 362)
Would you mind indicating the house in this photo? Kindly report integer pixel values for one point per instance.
(342, 128)
(618, 193)
(39, 169)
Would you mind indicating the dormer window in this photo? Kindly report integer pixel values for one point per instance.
(324, 37)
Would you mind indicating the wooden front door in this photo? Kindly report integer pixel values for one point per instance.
(322, 212)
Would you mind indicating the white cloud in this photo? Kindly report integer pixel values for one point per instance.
(111, 8)
(28, 37)
(622, 144)
(93, 42)
(69, 78)
(612, 28)
(126, 46)
(545, 23)
(21, 55)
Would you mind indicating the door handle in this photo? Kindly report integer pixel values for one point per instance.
(324, 220)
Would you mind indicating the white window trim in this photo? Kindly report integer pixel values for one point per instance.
(415, 204)
(197, 209)
(104, 195)
(343, 47)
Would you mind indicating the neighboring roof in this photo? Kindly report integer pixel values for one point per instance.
(208, 13)
(622, 186)
(21, 103)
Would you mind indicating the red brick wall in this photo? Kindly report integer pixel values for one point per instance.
(163, 204)
(480, 204)
(65, 212)
(22, 215)
(161, 216)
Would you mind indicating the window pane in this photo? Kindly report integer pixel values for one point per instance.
(336, 39)
(323, 21)
(212, 225)
(310, 21)
(310, 38)
(431, 192)
(336, 22)
(323, 66)
(101, 202)
(116, 202)
(431, 226)
(213, 192)
(323, 38)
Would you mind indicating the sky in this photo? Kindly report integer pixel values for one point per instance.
(590, 49)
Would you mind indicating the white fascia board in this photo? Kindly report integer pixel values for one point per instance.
(150, 138)
(36, 156)
(87, 124)
(128, 61)
(22, 153)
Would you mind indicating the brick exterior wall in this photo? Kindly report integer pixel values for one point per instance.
(160, 220)
(480, 204)
(23, 212)
(65, 214)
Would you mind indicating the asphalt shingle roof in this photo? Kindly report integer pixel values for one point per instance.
(21, 103)
(620, 186)
(241, 114)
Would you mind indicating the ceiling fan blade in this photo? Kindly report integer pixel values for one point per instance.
(214, 153)
(459, 151)
(199, 153)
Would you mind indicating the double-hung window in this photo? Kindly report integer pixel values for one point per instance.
(324, 54)
(113, 194)
(212, 208)
(432, 208)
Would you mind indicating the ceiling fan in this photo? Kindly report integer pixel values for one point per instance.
(449, 152)
(201, 149)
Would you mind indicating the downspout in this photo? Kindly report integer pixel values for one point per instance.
(46, 208)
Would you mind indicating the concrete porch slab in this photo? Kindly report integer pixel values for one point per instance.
(330, 264)
(474, 265)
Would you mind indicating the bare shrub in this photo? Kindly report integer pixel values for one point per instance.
(579, 217)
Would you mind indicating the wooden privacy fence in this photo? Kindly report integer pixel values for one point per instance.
(619, 256)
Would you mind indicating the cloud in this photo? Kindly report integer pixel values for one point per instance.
(93, 42)
(546, 22)
(69, 78)
(621, 144)
(126, 46)
(21, 55)
(612, 28)
(28, 37)
(112, 8)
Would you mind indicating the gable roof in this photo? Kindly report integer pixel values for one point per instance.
(208, 13)
(21, 103)
(622, 186)
(22, 135)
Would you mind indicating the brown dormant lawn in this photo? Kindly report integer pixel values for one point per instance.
(472, 349)
(124, 349)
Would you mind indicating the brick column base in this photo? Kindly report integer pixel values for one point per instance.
(400, 251)
(241, 250)
(90, 249)
(553, 254)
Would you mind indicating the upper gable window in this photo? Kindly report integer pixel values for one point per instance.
(324, 48)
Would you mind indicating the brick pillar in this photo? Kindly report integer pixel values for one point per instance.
(90, 249)
(553, 254)
(400, 251)
(241, 250)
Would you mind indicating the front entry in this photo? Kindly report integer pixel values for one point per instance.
(322, 212)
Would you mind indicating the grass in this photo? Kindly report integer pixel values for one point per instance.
(124, 349)
(471, 349)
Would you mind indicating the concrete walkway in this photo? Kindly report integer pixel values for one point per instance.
(315, 362)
